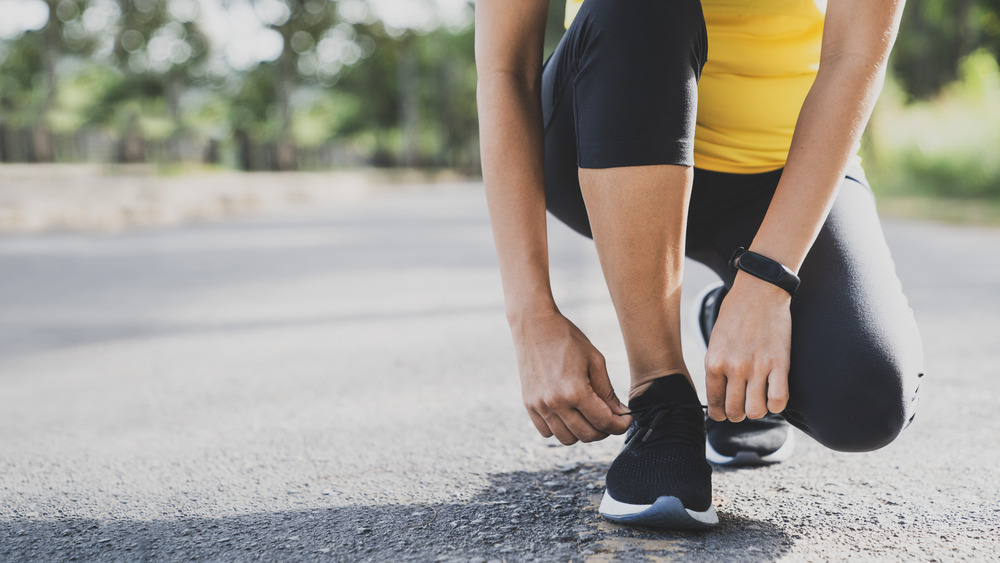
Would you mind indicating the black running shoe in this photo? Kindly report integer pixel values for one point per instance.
(661, 478)
(748, 442)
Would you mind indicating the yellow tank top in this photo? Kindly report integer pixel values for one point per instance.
(762, 59)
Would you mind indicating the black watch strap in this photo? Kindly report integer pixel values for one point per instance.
(764, 268)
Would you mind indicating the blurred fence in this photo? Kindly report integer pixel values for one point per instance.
(319, 84)
(250, 84)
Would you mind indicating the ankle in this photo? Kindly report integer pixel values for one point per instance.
(641, 382)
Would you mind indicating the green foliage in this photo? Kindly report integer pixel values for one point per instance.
(935, 35)
(946, 147)
(82, 89)
(21, 97)
(346, 84)
(320, 115)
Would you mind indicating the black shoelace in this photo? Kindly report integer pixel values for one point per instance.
(684, 428)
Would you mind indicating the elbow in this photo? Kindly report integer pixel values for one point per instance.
(499, 88)
(493, 79)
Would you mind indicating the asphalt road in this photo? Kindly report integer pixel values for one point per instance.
(339, 384)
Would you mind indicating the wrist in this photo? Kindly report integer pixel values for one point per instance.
(530, 310)
(765, 269)
(759, 289)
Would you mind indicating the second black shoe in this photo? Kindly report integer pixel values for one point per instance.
(660, 478)
(748, 442)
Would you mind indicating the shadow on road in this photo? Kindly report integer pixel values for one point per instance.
(519, 516)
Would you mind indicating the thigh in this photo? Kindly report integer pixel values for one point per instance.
(856, 353)
(620, 90)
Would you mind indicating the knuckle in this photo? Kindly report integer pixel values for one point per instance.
(715, 365)
(735, 376)
(776, 406)
(778, 396)
(756, 413)
(553, 401)
(744, 366)
(604, 426)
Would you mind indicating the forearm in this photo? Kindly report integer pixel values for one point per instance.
(827, 134)
(755, 320)
(749, 353)
(513, 172)
(857, 38)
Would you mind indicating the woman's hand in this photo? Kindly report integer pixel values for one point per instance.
(563, 378)
(748, 356)
(564, 381)
(746, 367)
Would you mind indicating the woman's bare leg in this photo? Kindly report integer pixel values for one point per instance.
(638, 216)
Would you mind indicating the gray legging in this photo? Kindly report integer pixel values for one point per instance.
(856, 357)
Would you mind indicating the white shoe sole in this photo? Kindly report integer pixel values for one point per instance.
(667, 512)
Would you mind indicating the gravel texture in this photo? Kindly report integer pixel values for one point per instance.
(338, 384)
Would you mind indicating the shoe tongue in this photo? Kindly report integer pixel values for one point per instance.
(672, 390)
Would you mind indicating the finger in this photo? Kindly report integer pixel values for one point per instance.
(715, 390)
(601, 384)
(777, 389)
(559, 429)
(539, 423)
(736, 396)
(580, 427)
(756, 402)
(599, 415)
(602, 408)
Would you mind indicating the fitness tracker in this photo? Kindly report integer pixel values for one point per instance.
(762, 267)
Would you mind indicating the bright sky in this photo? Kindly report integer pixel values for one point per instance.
(21, 15)
(238, 31)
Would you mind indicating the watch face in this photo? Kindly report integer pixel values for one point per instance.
(763, 267)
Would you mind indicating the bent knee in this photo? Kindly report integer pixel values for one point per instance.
(862, 431)
(866, 415)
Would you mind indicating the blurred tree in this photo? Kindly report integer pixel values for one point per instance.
(262, 110)
(21, 103)
(419, 92)
(302, 26)
(29, 83)
(376, 83)
(452, 96)
(157, 49)
(987, 16)
(935, 35)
